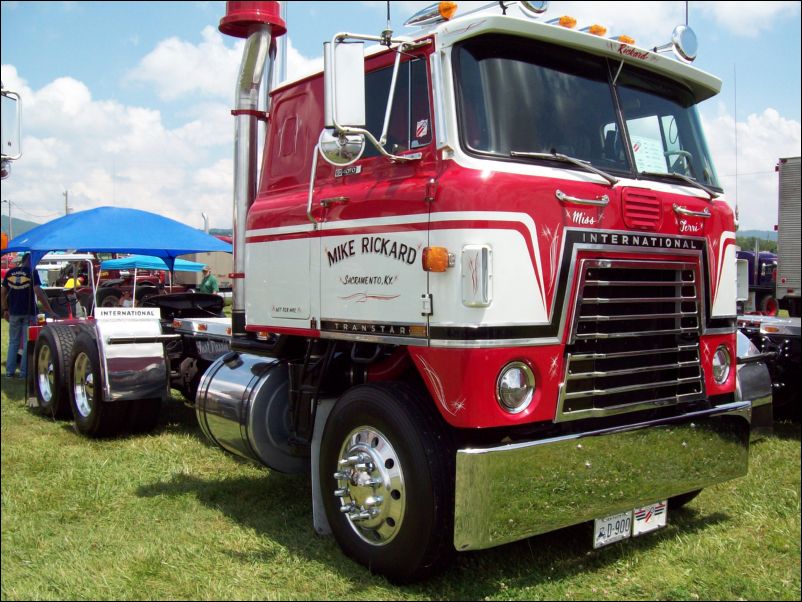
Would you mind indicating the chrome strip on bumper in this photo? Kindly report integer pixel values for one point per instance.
(514, 491)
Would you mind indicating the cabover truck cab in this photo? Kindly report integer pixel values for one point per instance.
(485, 286)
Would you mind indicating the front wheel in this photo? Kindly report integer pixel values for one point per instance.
(387, 477)
(94, 417)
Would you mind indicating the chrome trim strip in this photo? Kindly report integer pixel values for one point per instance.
(683, 314)
(540, 486)
(630, 388)
(604, 301)
(604, 374)
(162, 338)
(628, 283)
(604, 356)
(640, 333)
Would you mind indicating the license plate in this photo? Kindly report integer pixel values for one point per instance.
(628, 524)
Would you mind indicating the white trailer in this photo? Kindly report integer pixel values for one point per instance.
(789, 286)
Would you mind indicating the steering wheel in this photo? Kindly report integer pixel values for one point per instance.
(679, 165)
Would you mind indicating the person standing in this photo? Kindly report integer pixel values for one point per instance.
(209, 283)
(21, 289)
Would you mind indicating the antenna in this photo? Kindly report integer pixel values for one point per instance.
(735, 119)
(387, 34)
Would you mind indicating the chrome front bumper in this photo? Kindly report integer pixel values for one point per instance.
(514, 491)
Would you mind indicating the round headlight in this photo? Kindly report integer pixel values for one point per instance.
(721, 365)
(515, 387)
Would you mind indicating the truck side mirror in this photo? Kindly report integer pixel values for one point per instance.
(344, 90)
(344, 84)
(742, 276)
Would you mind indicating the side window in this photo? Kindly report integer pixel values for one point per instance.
(410, 119)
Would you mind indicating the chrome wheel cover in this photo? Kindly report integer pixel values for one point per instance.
(370, 486)
(84, 384)
(45, 376)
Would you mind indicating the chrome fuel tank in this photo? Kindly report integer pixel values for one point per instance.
(242, 406)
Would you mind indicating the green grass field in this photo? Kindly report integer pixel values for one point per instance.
(168, 516)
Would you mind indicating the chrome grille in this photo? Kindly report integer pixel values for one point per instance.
(634, 341)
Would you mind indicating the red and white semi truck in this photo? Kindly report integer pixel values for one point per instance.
(484, 284)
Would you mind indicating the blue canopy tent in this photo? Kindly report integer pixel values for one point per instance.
(147, 262)
(116, 230)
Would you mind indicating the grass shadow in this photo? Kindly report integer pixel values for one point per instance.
(473, 575)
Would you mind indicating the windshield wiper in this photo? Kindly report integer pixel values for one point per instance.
(673, 174)
(553, 156)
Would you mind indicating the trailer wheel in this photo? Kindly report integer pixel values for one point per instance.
(52, 357)
(769, 306)
(109, 298)
(94, 417)
(387, 474)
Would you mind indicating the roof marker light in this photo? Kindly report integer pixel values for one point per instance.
(442, 11)
(564, 21)
(595, 29)
(624, 39)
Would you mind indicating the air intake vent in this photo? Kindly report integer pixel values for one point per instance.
(635, 339)
(642, 209)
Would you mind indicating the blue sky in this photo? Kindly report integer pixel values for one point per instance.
(127, 103)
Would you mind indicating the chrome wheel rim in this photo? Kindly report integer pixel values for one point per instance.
(84, 384)
(45, 376)
(370, 485)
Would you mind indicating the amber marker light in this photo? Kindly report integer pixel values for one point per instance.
(597, 30)
(567, 21)
(435, 259)
(447, 9)
(625, 40)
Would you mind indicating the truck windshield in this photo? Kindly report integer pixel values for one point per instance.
(517, 96)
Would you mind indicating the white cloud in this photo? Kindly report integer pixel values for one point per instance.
(748, 19)
(299, 65)
(762, 140)
(176, 68)
(107, 153)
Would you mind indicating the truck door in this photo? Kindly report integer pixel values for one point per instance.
(375, 219)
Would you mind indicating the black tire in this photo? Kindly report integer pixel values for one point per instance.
(52, 357)
(109, 298)
(409, 450)
(94, 417)
(678, 501)
(769, 305)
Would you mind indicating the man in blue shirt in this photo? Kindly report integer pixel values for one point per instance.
(21, 289)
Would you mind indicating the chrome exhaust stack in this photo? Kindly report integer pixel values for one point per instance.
(259, 23)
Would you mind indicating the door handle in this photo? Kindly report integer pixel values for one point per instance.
(683, 211)
(564, 198)
(335, 200)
